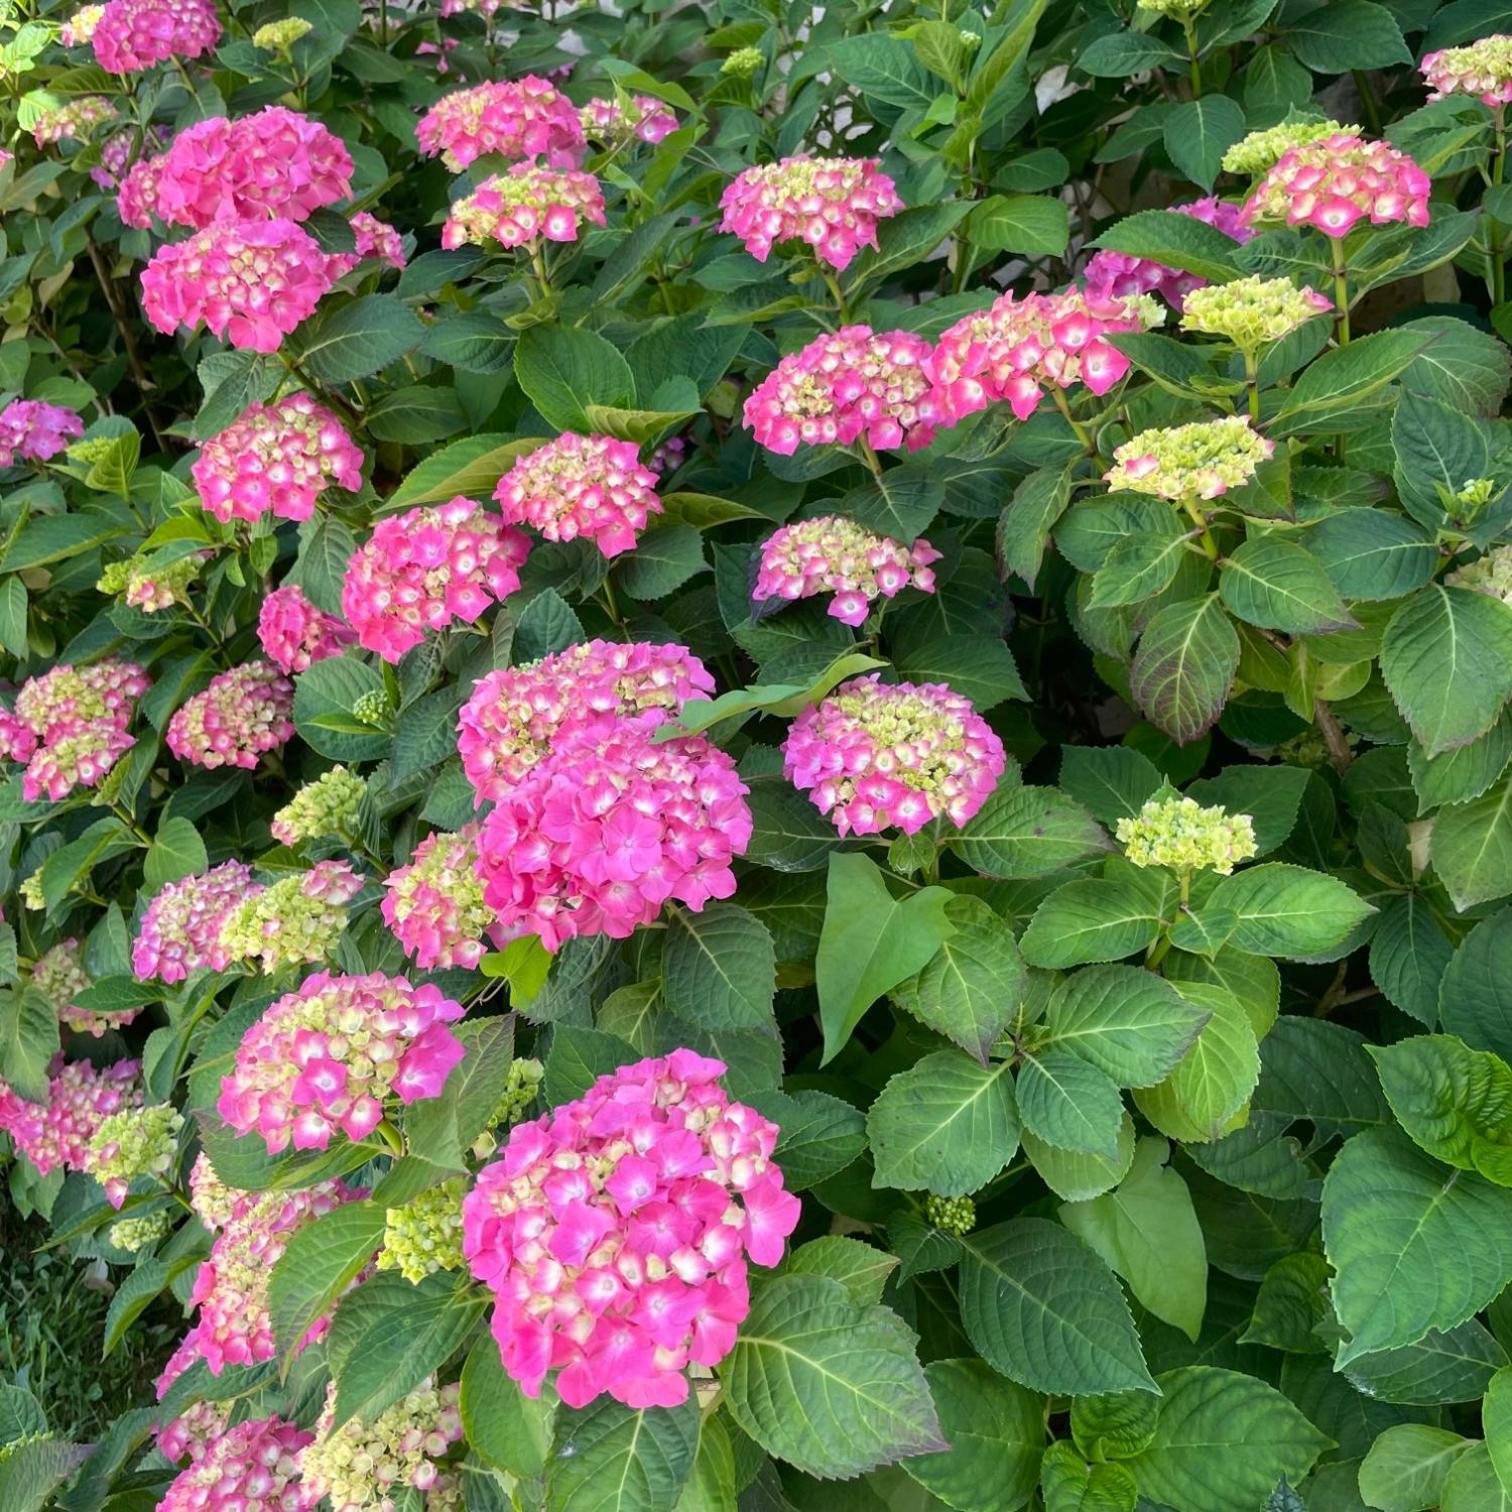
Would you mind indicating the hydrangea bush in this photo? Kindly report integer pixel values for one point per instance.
(747, 745)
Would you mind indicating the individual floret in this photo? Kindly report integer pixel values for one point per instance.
(435, 904)
(295, 634)
(180, 931)
(1197, 461)
(519, 208)
(589, 487)
(1179, 833)
(522, 119)
(832, 554)
(326, 807)
(298, 919)
(239, 718)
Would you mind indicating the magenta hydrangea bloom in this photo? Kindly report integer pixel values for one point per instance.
(1334, 183)
(1023, 345)
(435, 904)
(136, 200)
(250, 283)
(592, 487)
(609, 827)
(853, 385)
(276, 459)
(294, 634)
(514, 714)
(35, 431)
(242, 714)
(80, 27)
(614, 1232)
(180, 931)
(833, 204)
(1118, 274)
(516, 208)
(374, 238)
(521, 119)
(131, 35)
(251, 1467)
(643, 118)
(874, 756)
(832, 554)
(324, 1058)
(55, 1135)
(422, 569)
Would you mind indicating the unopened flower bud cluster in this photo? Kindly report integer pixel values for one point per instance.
(425, 1235)
(1252, 312)
(326, 807)
(298, 919)
(1182, 835)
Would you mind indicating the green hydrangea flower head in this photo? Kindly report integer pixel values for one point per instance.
(1252, 312)
(1182, 835)
(425, 1235)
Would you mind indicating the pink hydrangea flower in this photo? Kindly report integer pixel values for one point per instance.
(422, 569)
(874, 755)
(614, 1232)
(294, 634)
(71, 119)
(55, 1135)
(36, 431)
(856, 384)
(250, 283)
(1118, 274)
(326, 1057)
(242, 714)
(252, 1467)
(80, 27)
(374, 238)
(116, 153)
(644, 118)
(1483, 68)
(59, 974)
(516, 208)
(609, 827)
(833, 554)
(435, 904)
(521, 119)
(668, 456)
(180, 931)
(131, 35)
(514, 714)
(592, 487)
(190, 1434)
(439, 49)
(1022, 345)
(136, 200)
(833, 204)
(1333, 183)
(276, 459)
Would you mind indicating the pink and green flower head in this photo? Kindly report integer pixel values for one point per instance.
(435, 906)
(54, 1135)
(1120, 274)
(834, 555)
(1335, 182)
(251, 1467)
(1198, 461)
(180, 930)
(525, 206)
(238, 719)
(294, 634)
(1483, 69)
(31, 430)
(617, 123)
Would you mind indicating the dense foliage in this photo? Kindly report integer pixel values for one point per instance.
(751, 745)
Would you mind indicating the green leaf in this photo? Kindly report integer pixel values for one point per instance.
(1025, 524)
(1128, 1023)
(946, 1125)
(1111, 782)
(1043, 1310)
(1496, 1421)
(1409, 952)
(1285, 910)
(358, 339)
(663, 560)
(318, 1264)
(1405, 1469)
(1453, 1366)
(1277, 585)
(1466, 367)
(1472, 1484)
(32, 1469)
(1437, 449)
(980, 669)
(1347, 34)
(1453, 1101)
(565, 368)
(1222, 1441)
(611, 1458)
(1471, 847)
(870, 943)
(861, 1269)
(1141, 565)
(1319, 1071)
(176, 851)
(1414, 1245)
(1031, 225)
(900, 504)
(1176, 241)
(1184, 667)
(1462, 774)
(1069, 1104)
(1146, 1229)
(1212, 1083)
(831, 1387)
(1199, 132)
(970, 991)
(441, 1129)
(1372, 554)
(1027, 832)
(996, 1433)
(545, 625)
(471, 466)
(1092, 919)
(720, 968)
(1447, 660)
(508, 1428)
(1475, 996)
(818, 1135)
(28, 1041)
(1076, 1178)
(1120, 55)
(1341, 378)
(1271, 795)
(1071, 1484)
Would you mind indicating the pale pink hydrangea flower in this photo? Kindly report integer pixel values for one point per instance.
(270, 165)
(643, 118)
(435, 904)
(422, 569)
(324, 1058)
(874, 755)
(609, 827)
(131, 35)
(1118, 274)
(55, 1135)
(833, 204)
(60, 975)
(35, 431)
(240, 716)
(136, 200)
(614, 1232)
(1482, 68)
(71, 119)
(514, 714)
(180, 931)
(592, 487)
(1022, 345)
(252, 1467)
(374, 238)
(853, 385)
(522, 119)
(516, 208)
(115, 154)
(80, 27)
(250, 283)
(294, 634)
(1333, 183)
(190, 1434)
(832, 554)
(276, 459)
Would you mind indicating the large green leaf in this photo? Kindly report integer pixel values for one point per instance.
(1285, 910)
(566, 368)
(1093, 919)
(358, 339)
(1128, 1023)
(720, 968)
(1211, 1084)
(1069, 1104)
(1184, 667)
(508, 1428)
(319, 1262)
(1277, 585)
(1475, 995)
(1471, 847)
(1027, 832)
(1405, 1469)
(612, 1458)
